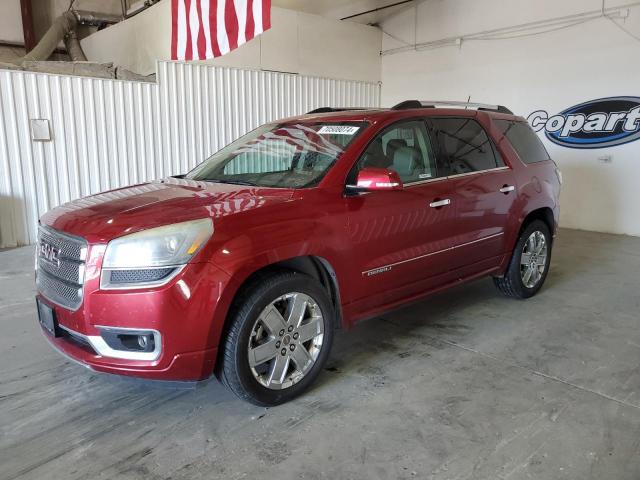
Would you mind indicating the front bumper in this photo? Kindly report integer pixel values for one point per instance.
(185, 316)
(192, 366)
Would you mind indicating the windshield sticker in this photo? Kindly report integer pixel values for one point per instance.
(338, 130)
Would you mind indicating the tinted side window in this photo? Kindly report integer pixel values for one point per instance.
(525, 142)
(404, 147)
(499, 160)
(464, 145)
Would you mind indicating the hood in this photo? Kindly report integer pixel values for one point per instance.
(100, 218)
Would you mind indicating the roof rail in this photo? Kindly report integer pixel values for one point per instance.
(336, 109)
(408, 104)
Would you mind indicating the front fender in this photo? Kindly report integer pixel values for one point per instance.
(261, 246)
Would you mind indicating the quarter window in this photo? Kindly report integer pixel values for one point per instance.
(404, 147)
(465, 146)
(524, 141)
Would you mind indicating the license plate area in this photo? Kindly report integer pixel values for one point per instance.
(47, 318)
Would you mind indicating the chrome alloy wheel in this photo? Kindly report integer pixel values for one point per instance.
(286, 340)
(533, 260)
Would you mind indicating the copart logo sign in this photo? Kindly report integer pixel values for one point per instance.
(601, 123)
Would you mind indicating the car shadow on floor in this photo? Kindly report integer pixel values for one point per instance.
(435, 321)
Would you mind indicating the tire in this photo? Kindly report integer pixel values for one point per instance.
(514, 283)
(256, 330)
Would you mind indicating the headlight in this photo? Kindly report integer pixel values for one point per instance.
(152, 257)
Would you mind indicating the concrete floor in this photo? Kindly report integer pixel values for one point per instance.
(466, 384)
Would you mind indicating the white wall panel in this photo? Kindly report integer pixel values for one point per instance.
(109, 133)
(529, 72)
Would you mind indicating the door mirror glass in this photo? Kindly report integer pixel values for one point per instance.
(373, 179)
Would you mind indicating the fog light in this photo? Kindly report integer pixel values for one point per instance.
(128, 340)
(143, 341)
(128, 343)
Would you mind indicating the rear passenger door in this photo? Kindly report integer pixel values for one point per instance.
(483, 189)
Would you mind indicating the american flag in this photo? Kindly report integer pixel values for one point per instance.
(210, 28)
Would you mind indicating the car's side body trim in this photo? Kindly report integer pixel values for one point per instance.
(386, 268)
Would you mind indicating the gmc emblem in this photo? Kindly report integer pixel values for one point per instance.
(49, 253)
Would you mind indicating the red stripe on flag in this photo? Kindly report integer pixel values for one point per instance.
(174, 29)
(250, 26)
(231, 22)
(183, 38)
(213, 27)
(266, 14)
(202, 41)
(188, 54)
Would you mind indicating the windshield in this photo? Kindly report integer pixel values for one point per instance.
(286, 155)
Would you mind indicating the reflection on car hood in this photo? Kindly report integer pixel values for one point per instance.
(126, 210)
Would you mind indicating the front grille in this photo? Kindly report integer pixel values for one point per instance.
(69, 271)
(60, 272)
(70, 247)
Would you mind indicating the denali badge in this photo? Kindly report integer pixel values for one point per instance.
(601, 123)
(377, 271)
(49, 253)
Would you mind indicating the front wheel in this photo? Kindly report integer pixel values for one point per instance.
(279, 338)
(529, 263)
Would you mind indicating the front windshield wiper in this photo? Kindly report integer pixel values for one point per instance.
(231, 182)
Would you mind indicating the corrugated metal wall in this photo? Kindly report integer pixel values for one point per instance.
(109, 133)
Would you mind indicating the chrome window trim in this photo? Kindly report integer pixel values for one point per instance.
(440, 179)
(391, 265)
(104, 350)
(477, 172)
(423, 182)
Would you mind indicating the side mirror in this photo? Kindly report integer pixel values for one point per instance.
(374, 179)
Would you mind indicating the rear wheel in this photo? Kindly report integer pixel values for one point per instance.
(529, 263)
(279, 338)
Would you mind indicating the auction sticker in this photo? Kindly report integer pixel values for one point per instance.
(338, 130)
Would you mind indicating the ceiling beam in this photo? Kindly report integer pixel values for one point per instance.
(373, 10)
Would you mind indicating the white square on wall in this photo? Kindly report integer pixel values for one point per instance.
(40, 131)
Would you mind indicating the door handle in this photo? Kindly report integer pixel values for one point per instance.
(440, 203)
(507, 188)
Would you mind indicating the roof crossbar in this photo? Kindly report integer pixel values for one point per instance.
(408, 104)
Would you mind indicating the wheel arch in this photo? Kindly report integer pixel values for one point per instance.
(319, 268)
(314, 266)
(545, 214)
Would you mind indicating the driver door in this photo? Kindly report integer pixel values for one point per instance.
(400, 239)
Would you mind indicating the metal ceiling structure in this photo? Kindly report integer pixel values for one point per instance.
(368, 12)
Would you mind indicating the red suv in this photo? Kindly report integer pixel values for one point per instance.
(246, 265)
